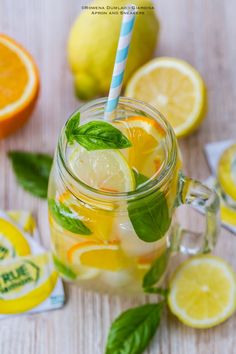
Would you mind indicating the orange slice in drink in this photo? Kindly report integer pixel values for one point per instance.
(147, 153)
(19, 85)
(106, 256)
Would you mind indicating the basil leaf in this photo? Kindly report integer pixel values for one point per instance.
(149, 216)
(97, 135)
(131, 332)
(156, 271)
(159, 291)
(140, 179)
(32, 171)
(71, 126)
(63, 269)
(67, 219)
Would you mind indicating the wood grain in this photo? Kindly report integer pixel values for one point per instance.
(201, 31)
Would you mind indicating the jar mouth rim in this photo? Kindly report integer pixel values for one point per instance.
(154, 183)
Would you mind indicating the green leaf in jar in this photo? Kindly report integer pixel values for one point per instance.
(132, 331)
(95, 135)
(149, 216)
(140, 179)
(32, 171)
(67, 219)
(72, 126)
(64, 269)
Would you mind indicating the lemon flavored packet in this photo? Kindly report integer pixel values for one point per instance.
(221, 157)
(29, 282)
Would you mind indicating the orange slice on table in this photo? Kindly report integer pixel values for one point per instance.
(19, 85)
(147, 153)
(106, 256)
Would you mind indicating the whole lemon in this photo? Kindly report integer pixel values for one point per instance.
(93, 42)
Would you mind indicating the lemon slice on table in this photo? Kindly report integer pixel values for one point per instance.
(26, 282)
(227, 171)
(175, 88)
(105, 256)
(203, 291)
(12, 241)
(146, 155)
(106, 170)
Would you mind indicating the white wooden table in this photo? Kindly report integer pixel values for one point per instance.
(200, 31)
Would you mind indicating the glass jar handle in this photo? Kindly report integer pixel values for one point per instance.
(205, 200)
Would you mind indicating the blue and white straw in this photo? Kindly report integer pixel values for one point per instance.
(120, 62)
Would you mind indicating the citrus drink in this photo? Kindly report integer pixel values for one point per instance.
(113, 191)
(96, 217)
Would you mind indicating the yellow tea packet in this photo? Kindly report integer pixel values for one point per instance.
(14, 241)
(221, 157)
(26, 221)
(29, 284)
(28, 280)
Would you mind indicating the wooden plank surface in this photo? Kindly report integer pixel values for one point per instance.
(200, 31)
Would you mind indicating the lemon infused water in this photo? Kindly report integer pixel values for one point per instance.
(113, 190)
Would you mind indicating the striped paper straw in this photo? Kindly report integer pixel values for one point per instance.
(120, 62)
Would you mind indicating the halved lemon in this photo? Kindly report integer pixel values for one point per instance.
(12, 241)
(146, 155)
(203, 292)
(106, 170)
(19, 85)
(227, 171)
(175, 88)
(106, 256)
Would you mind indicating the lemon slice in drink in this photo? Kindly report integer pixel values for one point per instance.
(106, 170)
(175, 88)
(203, 291)
(227, 171)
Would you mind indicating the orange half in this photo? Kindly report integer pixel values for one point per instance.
(19, 85)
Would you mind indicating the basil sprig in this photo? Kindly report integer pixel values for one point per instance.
(95, 135)
(149, 215)
(132, 331)
(67, 219)
(32, 171)
(140, 179)
(156, 271)
(64, 269)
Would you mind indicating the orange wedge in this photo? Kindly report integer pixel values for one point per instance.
(146, 154)
(19, 85)
(106, 256)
